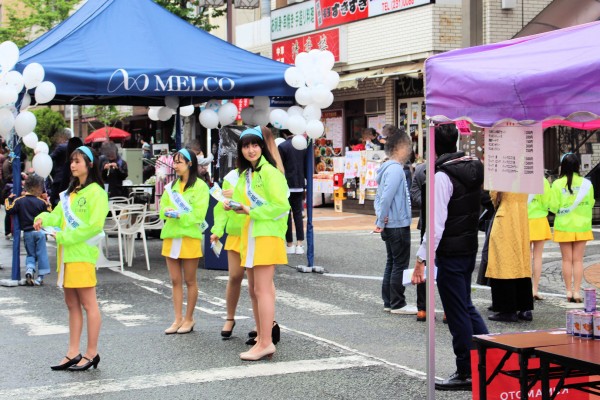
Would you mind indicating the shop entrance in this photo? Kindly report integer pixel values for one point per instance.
(411, 115)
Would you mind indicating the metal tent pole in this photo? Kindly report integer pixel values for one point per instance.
(431, 262)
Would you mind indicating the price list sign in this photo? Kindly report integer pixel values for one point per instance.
(514, 159)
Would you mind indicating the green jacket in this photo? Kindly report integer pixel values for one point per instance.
(90, 205)
(580, 218)
(188, 224)
(270, 219)
(538, 206)
(226, 221)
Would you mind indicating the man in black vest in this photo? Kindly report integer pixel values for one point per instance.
(458, 180)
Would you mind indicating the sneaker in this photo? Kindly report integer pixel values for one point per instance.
(290, 249)
(29, 277)
(299, 250)
(422, 316)
(39, 281)
(406, 310)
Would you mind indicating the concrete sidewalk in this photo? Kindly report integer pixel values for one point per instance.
(326, 219)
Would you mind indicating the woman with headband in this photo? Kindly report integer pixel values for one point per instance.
(261, 196)
(572, 201)
(183, 206)
(77, 223)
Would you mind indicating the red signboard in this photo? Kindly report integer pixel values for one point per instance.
(337, 12)
(286, 50)
(240, 104)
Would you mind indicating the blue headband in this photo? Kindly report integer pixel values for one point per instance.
(186, 154)
(85, 150)
(563, 157)
(252, 131)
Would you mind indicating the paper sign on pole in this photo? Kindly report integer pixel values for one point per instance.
(514, 159)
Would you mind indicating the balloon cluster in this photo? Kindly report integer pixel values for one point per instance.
(214, 113)
(314, 80)
(20, 120)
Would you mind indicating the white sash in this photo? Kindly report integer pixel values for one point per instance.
(232, 177)
(181, 204)
(530, 198)
(583, 191)
(255, 199)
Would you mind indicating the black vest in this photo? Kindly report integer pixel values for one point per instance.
(460, 231)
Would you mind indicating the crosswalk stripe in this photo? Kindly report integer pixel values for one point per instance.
(152, 381)
(117, 311)
(35, 325)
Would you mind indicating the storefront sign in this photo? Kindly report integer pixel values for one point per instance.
(378, 7)
(240, 104)
(293, 20)
(337, 12)
(286, 50)
(334, 127)
(408, 87)
(514, 159)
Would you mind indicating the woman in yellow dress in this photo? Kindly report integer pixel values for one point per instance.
(261, 194)
(78, 222)
(183, 206)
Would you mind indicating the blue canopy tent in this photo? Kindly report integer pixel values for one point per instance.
(134, 52)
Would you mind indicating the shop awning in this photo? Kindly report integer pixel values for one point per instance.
(397, 70)
(350, 81)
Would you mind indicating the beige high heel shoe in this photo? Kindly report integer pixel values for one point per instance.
(173, 328)
(259, 355)
(186, 329)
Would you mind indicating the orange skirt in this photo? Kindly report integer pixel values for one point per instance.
(562, 237)
(539, 229)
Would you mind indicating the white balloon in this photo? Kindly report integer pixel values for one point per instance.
(279, 140)
(297, 124)
(14, 79)
(303, 96)
(262, 102)
(301, 60)
(30, 140)
(294, 77)
(25, 123)
(7, 96)
(41, 147)
(213, 104)
(209, 119)
(45, 92)
(320, 93)
(186, 111)
(42, 164)
(295, 110)
(299, 142)
(261, 116)
(279, 118)
(7, 121)
(25, 101)
(247, 115)
(227, 114)
(311, 111)
(327, 102)
(153, 113)
(172, 102)
(314, 129)
(331, 79)
(9, 55)
(165, 113)
(33, 75)
(325, 60)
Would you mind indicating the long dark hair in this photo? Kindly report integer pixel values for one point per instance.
(93, 171)
(244, 164)
(569, 165)
(193, 169)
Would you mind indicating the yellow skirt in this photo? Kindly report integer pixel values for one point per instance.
(539, 229)
(268, 250)
(233, 243)
(185, 247)
(561, 236)
(79, 275)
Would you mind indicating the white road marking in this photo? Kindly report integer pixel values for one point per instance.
(13, 301)
(35, 325)
(368, 277)
(117, 311)
(188, 377)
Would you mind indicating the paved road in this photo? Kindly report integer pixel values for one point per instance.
(337, 342)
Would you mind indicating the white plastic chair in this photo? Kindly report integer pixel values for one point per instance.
(153, 221)
(129, 231)
(120, 217)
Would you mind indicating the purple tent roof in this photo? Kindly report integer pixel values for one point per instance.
(550, 75)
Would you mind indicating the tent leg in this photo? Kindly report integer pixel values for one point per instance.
(430, 280)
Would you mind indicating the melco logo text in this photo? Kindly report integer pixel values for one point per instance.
(121, 80)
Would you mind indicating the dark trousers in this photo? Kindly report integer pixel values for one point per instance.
(464, 321)
(295, 200)
(422, 296)
(397, 245)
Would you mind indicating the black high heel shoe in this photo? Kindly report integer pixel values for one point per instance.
(252, 334)
(72, 361)
(275, 335)
(227, 334)
(93, 362)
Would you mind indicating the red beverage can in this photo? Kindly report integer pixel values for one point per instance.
(587, 325)
(589, 299)
(597, 326)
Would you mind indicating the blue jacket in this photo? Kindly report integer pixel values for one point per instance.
(392, 199)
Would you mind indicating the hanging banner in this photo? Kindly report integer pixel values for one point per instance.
(514, 159)
(337, 12)
(285, 51)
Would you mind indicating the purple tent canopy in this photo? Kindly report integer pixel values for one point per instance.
(550, 75)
